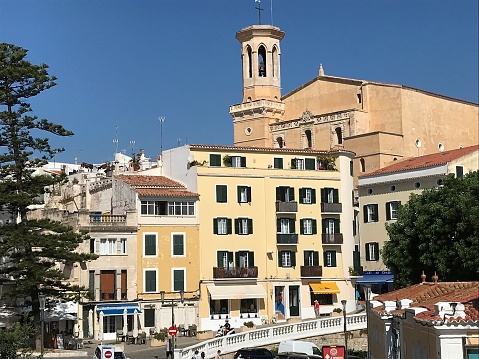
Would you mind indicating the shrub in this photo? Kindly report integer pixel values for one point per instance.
(249, 324)
(337, 310)
(161, 336)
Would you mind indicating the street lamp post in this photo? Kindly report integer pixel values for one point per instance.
(367, 295)
(182, 299)
(41, 300)
(343, 302)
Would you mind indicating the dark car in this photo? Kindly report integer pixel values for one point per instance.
(254, 353)
(293, 355)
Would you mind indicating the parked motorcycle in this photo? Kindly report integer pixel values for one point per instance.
(221, 333)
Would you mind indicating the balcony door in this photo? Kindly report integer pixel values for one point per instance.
(294, 301)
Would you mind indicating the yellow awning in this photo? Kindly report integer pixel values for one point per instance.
(249, 291)
(324, 288)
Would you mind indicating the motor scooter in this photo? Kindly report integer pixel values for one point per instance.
(220, 332)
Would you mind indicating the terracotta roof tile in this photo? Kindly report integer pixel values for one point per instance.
(431, 160)
(160, 192)
(149, 181)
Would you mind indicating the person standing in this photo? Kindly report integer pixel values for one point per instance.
(169, 349)
(218, 354)
(316, 309)
(196, 355)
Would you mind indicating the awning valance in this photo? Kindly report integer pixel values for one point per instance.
(375, 279)
(250, 291)
(324, 288)
(118, 309)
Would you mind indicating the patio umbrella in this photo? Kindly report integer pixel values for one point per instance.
(100, 331)
(90, 323)
(135, 324)
(125, 322)
(157, 318)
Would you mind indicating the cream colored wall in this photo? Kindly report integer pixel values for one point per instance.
(419, 340)
(164, 261)
(384, 108)
(469, 162)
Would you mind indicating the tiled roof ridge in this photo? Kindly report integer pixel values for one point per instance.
(138, 181)
(424, 161)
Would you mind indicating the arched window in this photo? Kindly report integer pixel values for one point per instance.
(339, 135)
(250, 62)
(363, 165)
(280, 142)
(275, 62)
(309, 138)
(262, 61)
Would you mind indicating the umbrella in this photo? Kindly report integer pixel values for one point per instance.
(90, 323)
(135, 324)
(100, 331)
(125, 322)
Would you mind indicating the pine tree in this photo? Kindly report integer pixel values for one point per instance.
(32, 247)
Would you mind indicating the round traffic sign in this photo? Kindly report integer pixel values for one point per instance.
(172, 330)
(108, 354)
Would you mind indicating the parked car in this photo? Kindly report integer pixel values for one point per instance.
(116, 351)
(298, 346)
(254, 353)
(294, 355)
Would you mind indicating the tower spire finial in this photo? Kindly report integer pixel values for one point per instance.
(259, 10)
(321, 71)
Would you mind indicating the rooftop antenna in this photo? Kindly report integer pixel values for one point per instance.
(115, 143)
(132, 146)
(271, 12)
(161, 119)
(259, 10)
(178, 140)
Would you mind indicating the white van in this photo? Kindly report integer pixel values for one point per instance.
(298, 346)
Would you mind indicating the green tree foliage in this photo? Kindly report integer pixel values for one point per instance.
(14, 341)
(33, 247)
(437, 230)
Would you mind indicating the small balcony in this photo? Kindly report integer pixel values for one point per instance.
(328, 238)
(331, 207)
(107, 296)
(235, 272)
(311, 271)
(290, 238)
(286, 207)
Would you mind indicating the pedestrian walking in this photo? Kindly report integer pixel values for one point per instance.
(316, 309)
(195, 356)
(218, 354)
(169, 349)
(202, 355)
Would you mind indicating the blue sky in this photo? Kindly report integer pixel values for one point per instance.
(122, 64)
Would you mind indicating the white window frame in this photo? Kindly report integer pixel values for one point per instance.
(286, 259)
(243, 225)
(242, 253)
(156, 245)
(310, 257)
(184, 207)
(282, 167)
(172, 244)
(328, 263)
(373, 256)
(307, 226)
(173, 278)
(285, 229)
(370, 208)
(330, 195)
(222, 223)
(123, 246)
(243, 193)
(308, 195)
(393, 208)
(156, 279)
(300, 164)
(236, 161)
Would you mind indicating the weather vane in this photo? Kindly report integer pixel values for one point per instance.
(259, 10)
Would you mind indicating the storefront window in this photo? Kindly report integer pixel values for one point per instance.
(219, 306)
(249, 306)
(323, 299)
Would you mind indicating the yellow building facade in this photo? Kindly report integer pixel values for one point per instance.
(276, 230)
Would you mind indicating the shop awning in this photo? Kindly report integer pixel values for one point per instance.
(375, 279)
(118, 309)
(56, 317)
(236, 291)
(324, 288)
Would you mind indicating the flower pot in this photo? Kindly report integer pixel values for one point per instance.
(157, 343)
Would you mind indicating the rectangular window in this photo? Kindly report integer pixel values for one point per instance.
(224, 259)
(311, 258)
(215, 160)
(238, 161)
(149, 245)
(372, 251)
(178, 244)
(355, 224)
(219, 306)
(285, 226)
(124, 284)
(307, 195)
(248, 306)
(178, 279)
(221, 193)
(330, 258)
(92, 245)
(370, 213)
(243, 226)
(91, 284)
(459, 171)
(108, 284)
(391, 210)
(308, 226)
(222, 226)
(310, 163)
(164, 208)
(150, 281)
(278, 163)
(331, 226)
(181, 208)
(329, 195)
(149, 318)
(244, 194)
(285, 194)
(107, 246)
(286, 259)
(244, 259)
(122, 246)
(297, 164)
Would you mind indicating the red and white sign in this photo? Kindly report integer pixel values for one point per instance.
(107, 353)
(333, 352)
(172, 330)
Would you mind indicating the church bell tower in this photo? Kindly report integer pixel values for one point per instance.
(261, 105)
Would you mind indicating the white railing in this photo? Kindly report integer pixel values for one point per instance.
(275, 334)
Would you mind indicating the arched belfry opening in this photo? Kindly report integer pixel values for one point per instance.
(261, 61)
(309, 138)
(275, 63)
(280, 142)
(249, 61)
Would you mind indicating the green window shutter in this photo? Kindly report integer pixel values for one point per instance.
(230, 258)
(376, 214)
(301, 226)
(323, 195)
(178, 280)
(278, 163)
(238, 194)
(301, 195)
(178, 249)
(278, 193)
(335, 196)
(313, 195)
(388, 211)
(293, 259)
(292, 226)
(459, 171)
(315, 227)
(221, 194)
(278, 225)
(215, 160)
(305, 257)
(250, 226)
(215, 226)
(280, 262)
(310, 163)
(243, 161)
(315, 258)
(291, 194)
(248, 194)
(150, 245)
(229, 225)
(356, 260)
(150, 281)
(251, 259)
(376, 250)
(325, 257)
(237, 226)
(237, 259)
(219, 259)
(365, 213)
(337, 228)
(351, 168)
(333, 258)
(293, 163)
(368, 257)
(324, 225)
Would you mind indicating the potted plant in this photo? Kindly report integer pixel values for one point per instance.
(158, 339)
(326, 163)
(227, 160)
(249, 325)
(336, 312)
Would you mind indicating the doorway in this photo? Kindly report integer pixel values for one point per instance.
(294, 301)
